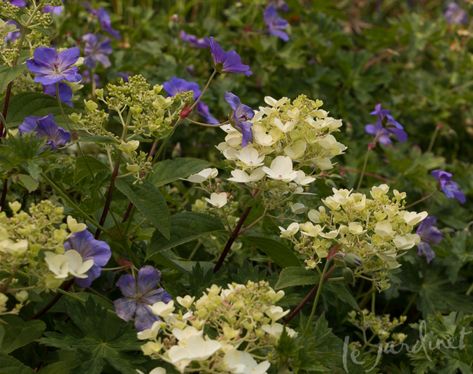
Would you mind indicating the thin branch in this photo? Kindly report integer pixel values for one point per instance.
(108, 199)
(65, 287)
(231, 240)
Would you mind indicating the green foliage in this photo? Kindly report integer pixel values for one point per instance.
(97, 336)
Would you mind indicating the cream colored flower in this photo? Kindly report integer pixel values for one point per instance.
(203, 175)
(69, 263)
(239, 362)
(218, 200)
(281, 169)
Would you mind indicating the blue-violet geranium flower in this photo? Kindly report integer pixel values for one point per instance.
(140, 293)
(90, 249)
(450, 188)
(429, 234)
(227, 62)
(386, 127)
(241, 116)
(46, 127)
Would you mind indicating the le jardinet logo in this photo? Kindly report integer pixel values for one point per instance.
(424, 343)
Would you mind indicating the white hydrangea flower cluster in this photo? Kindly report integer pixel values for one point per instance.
(29, 246)
(287, 137)
(370, 233)
(227, 330)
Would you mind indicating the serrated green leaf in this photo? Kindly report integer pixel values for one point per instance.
(168, 171)
(276, 251)
(296, 276)
(150, 203)
(101, 338)
(19, 333)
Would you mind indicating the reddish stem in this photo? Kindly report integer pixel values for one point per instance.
(108, 200)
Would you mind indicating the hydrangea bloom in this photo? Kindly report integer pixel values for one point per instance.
(90, 249)
(65, 92)
(276, 24)
(178, 85)
(51, 67)
(182, 339)
(455, 15)
(241, 116)
(386, 127)
(139, 294)
(46, 127)
(299, 130)
(227, 62)
(429, 234)
(450, 188)
(194, 40)
(359, 226)
(96, 50)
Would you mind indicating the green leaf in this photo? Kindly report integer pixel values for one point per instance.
(168, 171)
(10, 365)
(149, 202)
(99, 338)
(276, 251)
(7, 74)
(28, 182)
(296, 276)
(19, 333)
(35, 104)
(185, 227)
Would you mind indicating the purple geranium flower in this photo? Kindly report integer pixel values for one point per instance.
(140, 293)
(56, 10)
(177, 85)
(96, 50)
(454, 15)
(18, 3)
(227, 62)
(385, 127)
(45, 127)
(104, 20)
(450, 188)
(276, 24)
(51, 67)
(194, 40)
(65, 92)
(240, 117)
(86, 78)
(429, 234)
(90, 249)
(12, 35)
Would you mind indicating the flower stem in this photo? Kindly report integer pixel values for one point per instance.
(317, 296)
(231, 240)
(108, 199)
(426, 197)
(433, 138)
(363, 169)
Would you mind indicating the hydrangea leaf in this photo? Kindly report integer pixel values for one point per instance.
(169, 171)
(149, 202)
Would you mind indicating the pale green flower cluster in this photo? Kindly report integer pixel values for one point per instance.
(381, 326)
(33, 24)
(25, 240)
(367, 232)
(227, 330)
(141, 111)
(288, 136)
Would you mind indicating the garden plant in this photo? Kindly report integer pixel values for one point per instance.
(248, 187)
